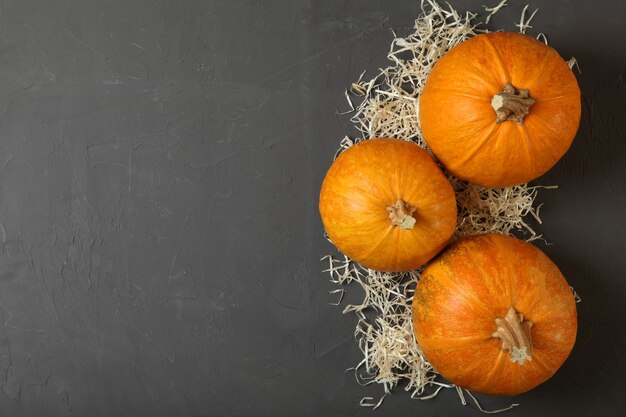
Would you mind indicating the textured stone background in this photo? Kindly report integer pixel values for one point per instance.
(160, 163)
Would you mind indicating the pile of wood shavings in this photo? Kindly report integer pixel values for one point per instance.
(388, 106)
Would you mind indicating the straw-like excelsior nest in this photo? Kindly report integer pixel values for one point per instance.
(387, 105)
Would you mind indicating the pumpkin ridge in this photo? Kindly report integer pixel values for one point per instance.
(468, 296)
(446, 343)
(536, 77)
(515, 298)
(553, 319)
(496, 369)
(545, 125)
(540, 139)
(530, 303)
(384, 237)
(415, 237)
(538, 361)
(521, 377)
(567, 95)
(417, 194)
(527, 145)
(364, 183)
(458, 92)
(396, 186)
(483, 273)
(369, 184)
(385, 190)
(498, 58)
(362, 201)
(468, 156)
(549, 127)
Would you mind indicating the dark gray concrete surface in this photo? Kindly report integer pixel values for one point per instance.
(160, 163)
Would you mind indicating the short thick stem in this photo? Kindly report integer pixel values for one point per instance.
(401, 214)
(515, 335)
(512, 104)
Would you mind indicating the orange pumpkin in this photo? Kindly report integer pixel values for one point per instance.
(386, 204)
(493, 314)
(500, 109)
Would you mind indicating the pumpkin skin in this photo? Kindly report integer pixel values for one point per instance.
(468, 286)
(368, 178)
(459, 123)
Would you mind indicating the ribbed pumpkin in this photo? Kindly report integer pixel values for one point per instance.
(500, 109)
(386, 204)
(494, 314)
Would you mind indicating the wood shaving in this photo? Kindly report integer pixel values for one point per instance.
(496, 210)
(387, 105)
(573, 63)
(488, 411)
(543, 38)
(494, 10)
(524, 22)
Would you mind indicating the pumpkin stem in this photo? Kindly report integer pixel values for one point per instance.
(515, 335)
(401, 214)
(512, 104)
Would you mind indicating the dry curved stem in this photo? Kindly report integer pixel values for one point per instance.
(512, 104)
(514, 332)
(401, 214)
